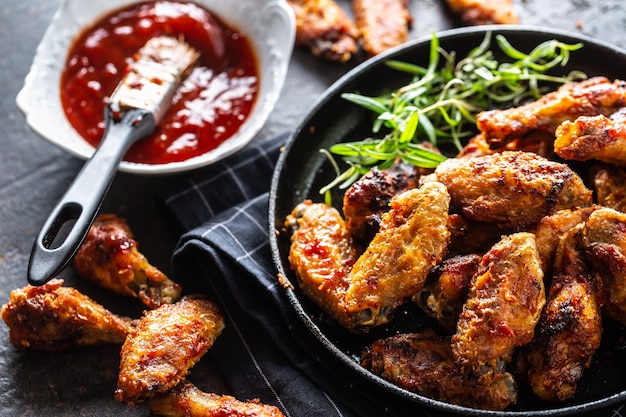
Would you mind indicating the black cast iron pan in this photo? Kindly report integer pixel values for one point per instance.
(302, 170)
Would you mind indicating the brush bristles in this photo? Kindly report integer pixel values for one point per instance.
(151, 80)
(172, 53)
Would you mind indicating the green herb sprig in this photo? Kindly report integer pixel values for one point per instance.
(441, 102)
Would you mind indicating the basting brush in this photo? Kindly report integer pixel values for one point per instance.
(134, 109)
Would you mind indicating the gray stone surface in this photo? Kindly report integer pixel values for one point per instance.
(34, 174)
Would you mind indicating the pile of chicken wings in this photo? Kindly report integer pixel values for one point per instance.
(328, 32)
(516, 247)
(158, 349)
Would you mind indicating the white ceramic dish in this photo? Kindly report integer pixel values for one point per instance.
(269, 24)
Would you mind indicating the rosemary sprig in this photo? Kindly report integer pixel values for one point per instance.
(441, 102)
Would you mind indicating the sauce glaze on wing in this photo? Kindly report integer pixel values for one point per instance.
(55, 318)
(322, 255)
(503, 305)
(110, 257)
(164, 345)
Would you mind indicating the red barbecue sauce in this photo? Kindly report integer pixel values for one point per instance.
(209, 106)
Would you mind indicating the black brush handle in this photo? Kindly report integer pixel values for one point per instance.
(68, 224)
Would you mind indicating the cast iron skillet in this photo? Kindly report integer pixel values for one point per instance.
(302, 170)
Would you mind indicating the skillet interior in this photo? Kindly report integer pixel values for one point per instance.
(302, 170)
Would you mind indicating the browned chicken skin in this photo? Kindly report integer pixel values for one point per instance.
(322, 254)
(484, 12)
(593, 137)
(424, 363)
(382, 24)
(158, 354)
(569, 329)
(323, 27)
(604, 240)
(186, 400)
(55, 318)
(110, 258)
(590, 97)
(505, 299)
(412, 239)
(364, 291)
(550, 231)
(445, 291)
(512, 189)
(365, 201)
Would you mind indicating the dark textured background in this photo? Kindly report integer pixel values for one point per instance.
(34, 174)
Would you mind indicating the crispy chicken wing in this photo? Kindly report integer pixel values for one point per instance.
(322, 254)
(55, 318)
(186, 400)
(110, 258)
(590, 97)
(484, 12)
(505, 299)
(365, 201)
(323, 27)
(412, 239)
(446, 289)
(604, 239)
(382, 24)
(609, 183)
(569, 329)
(512, 189)
(158, 354)
(593, 137)
(424, 363)
(362, 291)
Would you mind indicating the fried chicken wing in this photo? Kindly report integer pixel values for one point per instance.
(445, 291)
(187, 400)
(593, 137)
(484, 12)
(512, 189)
(158, 354)
(382, 24)
(55, 318)
(424, 363)
(412, 239)
(569, 330)
(590, 97)
(504, 302)
(361, 291)
(609, 183)
(322, 255)
(323, 27)
(604, 239)
(365, 201)
(110, 258)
